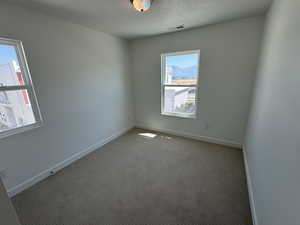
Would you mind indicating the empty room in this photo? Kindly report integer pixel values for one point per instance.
(149, 112)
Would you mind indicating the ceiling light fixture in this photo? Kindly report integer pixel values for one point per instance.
(141, 5)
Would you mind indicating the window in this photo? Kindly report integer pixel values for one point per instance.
(180, 72)
(19, 109)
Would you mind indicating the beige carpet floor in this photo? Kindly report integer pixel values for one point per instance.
(138, 180)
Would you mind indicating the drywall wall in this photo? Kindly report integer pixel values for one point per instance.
(82, 82)
(7, 212)
(273, 143)
(229, 53)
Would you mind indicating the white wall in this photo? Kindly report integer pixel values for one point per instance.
(82, 82)
(273, 137)
(229, 53)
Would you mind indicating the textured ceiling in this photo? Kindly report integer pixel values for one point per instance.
(117, 17)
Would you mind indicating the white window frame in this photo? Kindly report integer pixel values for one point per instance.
(28, 86)
(163, 85)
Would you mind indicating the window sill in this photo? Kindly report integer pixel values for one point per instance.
(19, 130)
(185, 116)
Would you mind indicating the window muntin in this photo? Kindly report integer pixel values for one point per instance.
(180, 72)
(19, 109)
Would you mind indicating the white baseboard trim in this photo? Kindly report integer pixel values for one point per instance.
(250, 189)
(192, 136)
(48, 172)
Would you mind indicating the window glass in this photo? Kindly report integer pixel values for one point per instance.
(180, 100)
(181, 69)
(180, 72)
(10, 72)
(15, 110)
(18, 104)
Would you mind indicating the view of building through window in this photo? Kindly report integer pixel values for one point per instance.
(180, 75)
(15, 106)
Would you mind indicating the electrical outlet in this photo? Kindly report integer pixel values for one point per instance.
(3, 174)
(206, 126)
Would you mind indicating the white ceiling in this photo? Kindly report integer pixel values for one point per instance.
(117, 17)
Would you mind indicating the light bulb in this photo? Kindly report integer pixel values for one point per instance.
(141, 5)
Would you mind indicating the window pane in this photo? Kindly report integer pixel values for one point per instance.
(180, 100)
(10, 72)
(181, 69)
(15, 110)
